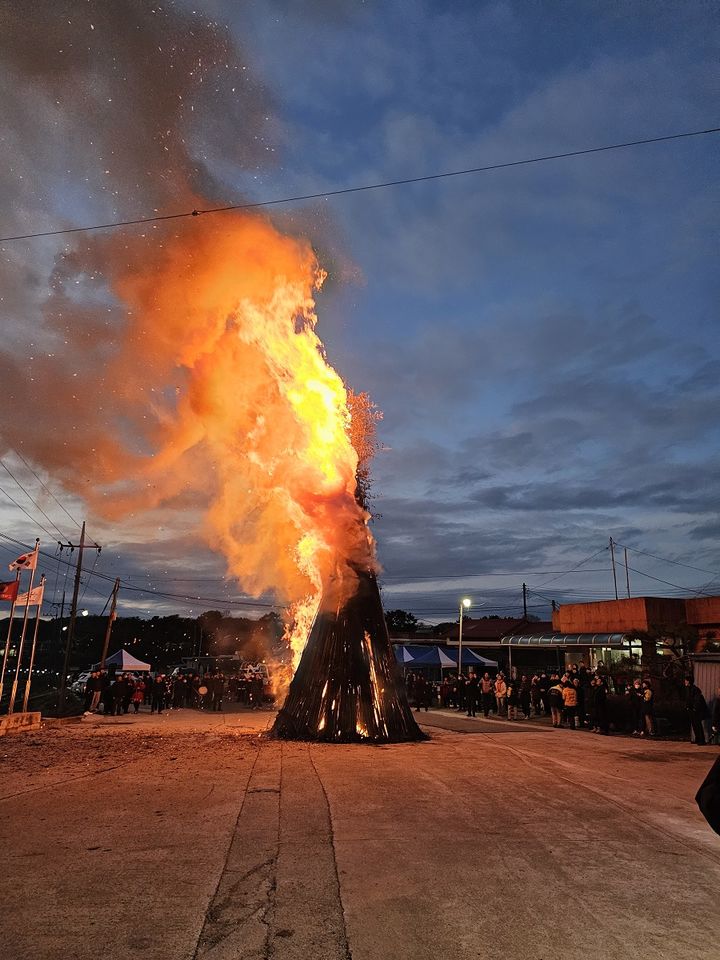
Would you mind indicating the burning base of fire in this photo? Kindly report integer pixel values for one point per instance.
(348, 687)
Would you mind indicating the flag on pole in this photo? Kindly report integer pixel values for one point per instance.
(28, 561)
(35, 596)
(9, 590)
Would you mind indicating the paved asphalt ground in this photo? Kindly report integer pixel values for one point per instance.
(191, 836)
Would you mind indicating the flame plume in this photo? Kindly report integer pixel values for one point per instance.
(234, 406)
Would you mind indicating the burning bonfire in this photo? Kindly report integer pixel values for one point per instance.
(347, 686)
(235, 412)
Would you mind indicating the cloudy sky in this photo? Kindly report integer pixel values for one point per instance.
(543, 341)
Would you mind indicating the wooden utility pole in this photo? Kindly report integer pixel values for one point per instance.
(612, 555)
(627, 574)
(73, 618)
(525, 601)
(111, 618)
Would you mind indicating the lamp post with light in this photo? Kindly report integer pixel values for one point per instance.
(464, 605)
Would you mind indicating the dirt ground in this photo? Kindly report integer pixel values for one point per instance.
(192, 836)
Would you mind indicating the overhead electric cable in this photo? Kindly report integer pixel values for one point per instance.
(363, 188)
(572, 569)
(668, 582)
(678, 563)
(32, 499)
(47, 489)
(45, 530)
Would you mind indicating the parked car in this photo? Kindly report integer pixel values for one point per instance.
(78, 686)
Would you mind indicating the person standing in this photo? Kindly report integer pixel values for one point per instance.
(513, 699)
(179, 695)
(602, 724)
(635, 695)
(118, 690)
(698, 710)
(648, 709)
(486, 692)
(95, 685)
(106, 694)
(129, 690)
(471, 694)
(570, 699)
(544, 686)
(138, 695)
(536, 695)
(555, 699)
(218, 692)
(257, 691)
(501, 694)
(158, 694)
(461, 683)
(525, 695)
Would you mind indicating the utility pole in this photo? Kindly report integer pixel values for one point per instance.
(525, 601)
(111, 618)
(612, 555)
(627, 574)
(73, 614)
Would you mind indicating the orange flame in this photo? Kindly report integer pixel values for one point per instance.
(241, 409)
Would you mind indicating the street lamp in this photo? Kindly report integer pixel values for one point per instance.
(464, 605)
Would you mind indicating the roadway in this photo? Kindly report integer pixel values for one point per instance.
(192, 836)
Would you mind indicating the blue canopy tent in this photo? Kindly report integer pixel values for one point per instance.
(439, 655)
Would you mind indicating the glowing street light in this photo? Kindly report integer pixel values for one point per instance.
(464, 605)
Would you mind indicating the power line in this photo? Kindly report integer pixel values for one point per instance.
(46, 488)
(365, 187)
(32, 499)
(31, 519)
(678, 563)
(659, 580)
(573, 569)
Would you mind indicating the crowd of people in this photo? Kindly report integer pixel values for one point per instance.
(113, 695)
(575, 698)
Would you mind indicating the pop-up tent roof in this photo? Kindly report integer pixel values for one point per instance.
(124, 661)
(437, 655)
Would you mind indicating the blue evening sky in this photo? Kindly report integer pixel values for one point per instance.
(543, 341)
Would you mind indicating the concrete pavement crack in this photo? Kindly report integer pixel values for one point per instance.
(331, 828)
(208, 911)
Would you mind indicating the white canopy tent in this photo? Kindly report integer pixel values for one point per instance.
(124, 662)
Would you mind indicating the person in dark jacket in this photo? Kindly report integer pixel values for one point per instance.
(635, 697)
(421, 693)
(118, 694)
(127, 695)
(555, 700)
(95, 686)
(525, 696)
(218, 692)
(471, 694)
(600, 706)
(698, 710)
(257, 691)
(460, 691)
(158, 694)
(648, 710)
(513, 698)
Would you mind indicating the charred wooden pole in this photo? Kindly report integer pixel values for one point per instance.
(348, 686)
